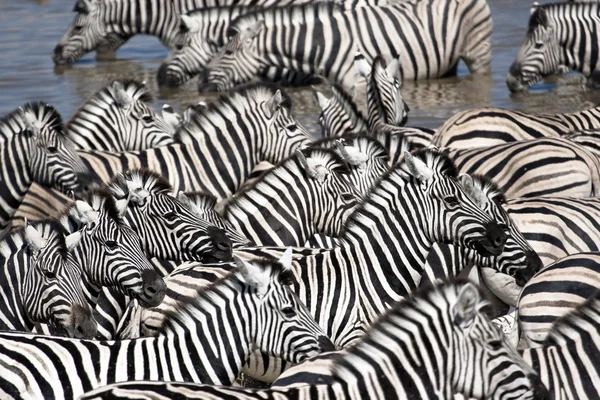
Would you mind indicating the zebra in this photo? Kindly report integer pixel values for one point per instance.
(301, 196)
(490, 126)
(567, 363)
(35, 149)
(272, 39)
(391, 361)
(118, 118)
(339, 114)
(554, 291)
(250, 303)
(41, 282)
(104, 26)
(520, 169)
(220, 145)
(555, 43)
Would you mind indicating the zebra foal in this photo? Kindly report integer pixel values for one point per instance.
(391, 362)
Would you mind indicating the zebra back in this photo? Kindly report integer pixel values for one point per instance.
(117, 118)
(41, 283)
(448, 318)
(34, 148)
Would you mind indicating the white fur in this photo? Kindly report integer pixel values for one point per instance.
(417, 168)
(253, 275)
(34, 238)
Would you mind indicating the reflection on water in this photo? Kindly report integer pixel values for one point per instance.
(30, 30)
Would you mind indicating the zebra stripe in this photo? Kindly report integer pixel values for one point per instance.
(118, 118)
(256, 298)
(391, 362)
(494, 126)
(560, 37)
(321, 39)
(298, 198)
(339, 114)
(42, 283)
(34, 149)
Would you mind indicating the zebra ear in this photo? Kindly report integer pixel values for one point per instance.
(253, 30)
(72, 240)
(32, 124)
(272, 105)
(171, 117)
(253, 275)
(122, 99)
(466, 307)
(185, 200)
(313, 169)
(393, 69)
(322, 101)
(362, 65)
(34, 238)
(538, 16)
(189, 24)
(84, 213)
(417, 168)
(286, 259)
(122, 206)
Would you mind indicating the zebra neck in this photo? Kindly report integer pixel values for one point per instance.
(568, 53)
(547, 362)
(217, 20)
(12, 308)
(152, 17)
(15, 176)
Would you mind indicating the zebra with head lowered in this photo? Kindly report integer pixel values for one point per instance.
(560, 37)
(470, 356)
(41, 283)
(225, 321)
(117, 118)
(271, 39)
(34, 148)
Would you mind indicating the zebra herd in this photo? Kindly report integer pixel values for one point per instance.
(174, 254)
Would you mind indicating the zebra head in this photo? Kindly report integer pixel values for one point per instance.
(52, 159)
(366, 158)
(51, 288)
(202, 205)
(539, 54)
(237, 61)
(89, 31)
(339, 114)
(518, 260)
(448, 212)
(118, 118)
(111, 254)
(283, 326)
(470, 354)
(195, 49)
(168, 229)
(386, 82)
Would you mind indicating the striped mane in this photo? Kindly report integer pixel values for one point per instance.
(381, 334)
(346, 100)
(106, 98)
(100, 199)
(42, 112)
(365, 143)
(204, 201)
(143, 178)
(583, 321)
(327, 158)
(50, 230)
(188, 306)
(489, 188)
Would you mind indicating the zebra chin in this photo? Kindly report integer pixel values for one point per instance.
(79, 324)
(514, 84)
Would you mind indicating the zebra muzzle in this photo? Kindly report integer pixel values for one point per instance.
(153, 290)
(83, 324)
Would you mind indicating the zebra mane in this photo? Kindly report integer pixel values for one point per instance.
(435, 159)
(489, 188)
(572, 326)
(187, 305)
(204, 201)
(381, 333)
(51, 230)
(364, 142)
(327, 157)
(150, 181)
(106, 97)
(43, 112)
(100, 199)
(346, 100)
(304, 11)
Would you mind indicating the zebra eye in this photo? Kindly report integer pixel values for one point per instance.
(452, 201)
(77, 29)
(347, 197)
(111, 244)
(288, 312)
(49, 274)
(178, 46)
(495, 344)
(502, 226)
(539, 45)
(292, 127)
(170, 214)
(228, 52)
(147, 118)
(52, 150)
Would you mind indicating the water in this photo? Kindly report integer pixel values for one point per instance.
(29, 30)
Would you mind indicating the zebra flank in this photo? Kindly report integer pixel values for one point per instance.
(259, 42)
(256, 294)
(118, 118)
(390, 352)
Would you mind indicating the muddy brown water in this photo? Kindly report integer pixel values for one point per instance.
(29, 30)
